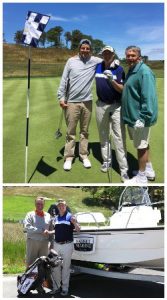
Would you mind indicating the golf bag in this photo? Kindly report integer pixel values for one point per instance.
(37, 273)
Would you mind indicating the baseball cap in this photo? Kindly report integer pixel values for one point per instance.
(84, 41)
(61, 201)
(109, 48)
(39, 198)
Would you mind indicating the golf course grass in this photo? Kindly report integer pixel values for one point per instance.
(45, 152)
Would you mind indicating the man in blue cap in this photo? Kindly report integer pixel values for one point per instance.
(75, 98)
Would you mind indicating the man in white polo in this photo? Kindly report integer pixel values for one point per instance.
(109, 84)
(64, 224)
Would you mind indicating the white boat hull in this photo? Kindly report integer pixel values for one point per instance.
(139, 247)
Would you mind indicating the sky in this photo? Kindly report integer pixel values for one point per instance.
(116, 24)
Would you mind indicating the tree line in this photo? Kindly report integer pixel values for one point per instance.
(54, 38)
(109, 196)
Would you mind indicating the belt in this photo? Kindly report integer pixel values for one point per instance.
(110, 102)
(64, 242)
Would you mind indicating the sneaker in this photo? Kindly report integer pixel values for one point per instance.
(64, 293)
(105, 167)
(150, 174)
(124, 177)
(137, 180)
(87, 163)
(54, 291)
(67, 165)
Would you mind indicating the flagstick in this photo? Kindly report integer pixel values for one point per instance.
(27, 114)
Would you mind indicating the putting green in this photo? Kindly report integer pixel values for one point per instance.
(45, 153)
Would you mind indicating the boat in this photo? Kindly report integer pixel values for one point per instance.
(133, 236)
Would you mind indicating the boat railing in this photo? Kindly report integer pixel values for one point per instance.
(136, 207)
(130, 216)
(90, 218)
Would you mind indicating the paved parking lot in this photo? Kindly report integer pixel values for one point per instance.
(90, 286)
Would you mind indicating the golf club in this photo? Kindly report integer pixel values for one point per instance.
(109, 151)
(58, 133)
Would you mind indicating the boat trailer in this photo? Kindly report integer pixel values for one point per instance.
(141, 274)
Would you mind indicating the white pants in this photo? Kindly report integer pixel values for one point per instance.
(108, 117)
(61, 274)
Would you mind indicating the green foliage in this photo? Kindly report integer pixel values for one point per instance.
(97, 46)
(68, 37)
(103, 196)
(53, 35)
(76, 36)
(91, 189)
(18, 36)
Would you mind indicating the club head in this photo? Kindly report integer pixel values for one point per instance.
(58, 134)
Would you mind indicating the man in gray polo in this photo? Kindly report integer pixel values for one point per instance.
(36, 224)
(75, 98)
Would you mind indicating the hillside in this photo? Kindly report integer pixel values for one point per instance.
(47, 61)
(44, 61)
(19, 53)
(18, 200)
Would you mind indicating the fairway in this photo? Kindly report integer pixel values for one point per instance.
(45, 154)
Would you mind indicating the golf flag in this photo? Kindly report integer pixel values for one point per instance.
(34, 26)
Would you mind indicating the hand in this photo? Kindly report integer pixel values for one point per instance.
(73, 220)
(109, 74)
(45, 232)
(138, 124)
(63, 104)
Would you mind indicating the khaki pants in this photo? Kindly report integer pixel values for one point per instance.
(35, 249)
(108, 118)
(61, 274)
(77, 112)
(140, 137)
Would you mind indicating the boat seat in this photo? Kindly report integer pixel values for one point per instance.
(90, 218)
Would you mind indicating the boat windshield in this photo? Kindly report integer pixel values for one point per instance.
(133, 196)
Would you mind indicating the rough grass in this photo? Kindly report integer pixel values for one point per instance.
(13, 248)
(44, 62)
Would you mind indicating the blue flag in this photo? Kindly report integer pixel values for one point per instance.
(34, 26)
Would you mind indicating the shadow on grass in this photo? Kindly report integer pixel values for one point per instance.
(96, 152)
(46, 169)
(133, 163)
(43, 168)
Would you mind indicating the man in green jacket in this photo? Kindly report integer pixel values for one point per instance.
(139, 110)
